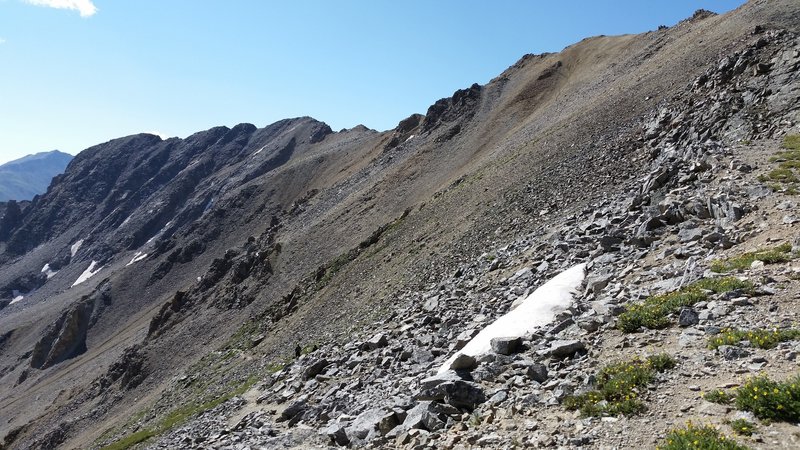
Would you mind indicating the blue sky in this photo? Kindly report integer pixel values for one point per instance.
(74, 73)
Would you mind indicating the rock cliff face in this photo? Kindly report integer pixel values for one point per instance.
(291, 286)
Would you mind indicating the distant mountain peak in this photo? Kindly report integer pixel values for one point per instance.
(26, 177)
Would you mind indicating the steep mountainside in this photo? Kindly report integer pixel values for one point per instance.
(26, 177)
(157, 294)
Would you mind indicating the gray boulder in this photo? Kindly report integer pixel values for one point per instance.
(463, 362)
(730, 352)
(688, 317)
(451, 389)
(377, 341)
(294, 409)
(565, 348)
(315, 368)
(365, 424)
(506, 345)
(537, 372)
(337, 433)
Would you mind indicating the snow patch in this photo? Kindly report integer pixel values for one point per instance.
(17, 299)
(410, 137)
(88, 273)
(160, 232)
(136, 258)
(259, 150)
(539, 308)
(75, 247)
(208, 205)
(48, 271)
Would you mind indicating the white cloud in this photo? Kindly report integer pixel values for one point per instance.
(85, 7)
(2, 41)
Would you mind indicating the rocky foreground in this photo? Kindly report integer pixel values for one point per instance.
(693, 285)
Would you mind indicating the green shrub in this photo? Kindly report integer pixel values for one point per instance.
(793, 164)
(784, 179)
(770, 400)
(779, 254)
(725, 284)
(782, 174)
(700, 438)
(618, 386)
(775, 187)
(178, 417)
(652, 313)
(760, 338)
(743, 427)
(661, 362)
(792, 155)
(130, 440)
(792, 142)
(718, 396)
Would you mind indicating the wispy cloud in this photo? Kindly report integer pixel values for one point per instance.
(2, 41)
(85, 7)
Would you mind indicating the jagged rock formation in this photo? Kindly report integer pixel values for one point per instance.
(66, 337)
(165, 287)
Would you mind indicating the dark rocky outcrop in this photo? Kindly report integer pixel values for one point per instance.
(461, 106)
(9, 219)
(64, 339)
(23, 284)
(130, 370)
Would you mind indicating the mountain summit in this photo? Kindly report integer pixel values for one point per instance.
(30, 175)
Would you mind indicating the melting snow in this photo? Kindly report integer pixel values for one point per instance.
(88, 273)
(75, 247)
(136, 258)
(16, 299)
(259, 150)
(47, 271)
(540, 308)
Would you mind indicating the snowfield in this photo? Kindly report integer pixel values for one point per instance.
(48, 271)
(539, 308)
(88, 273)
(75, 247)
(136, 258)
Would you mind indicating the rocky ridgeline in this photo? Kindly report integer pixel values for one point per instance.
(701, 201)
